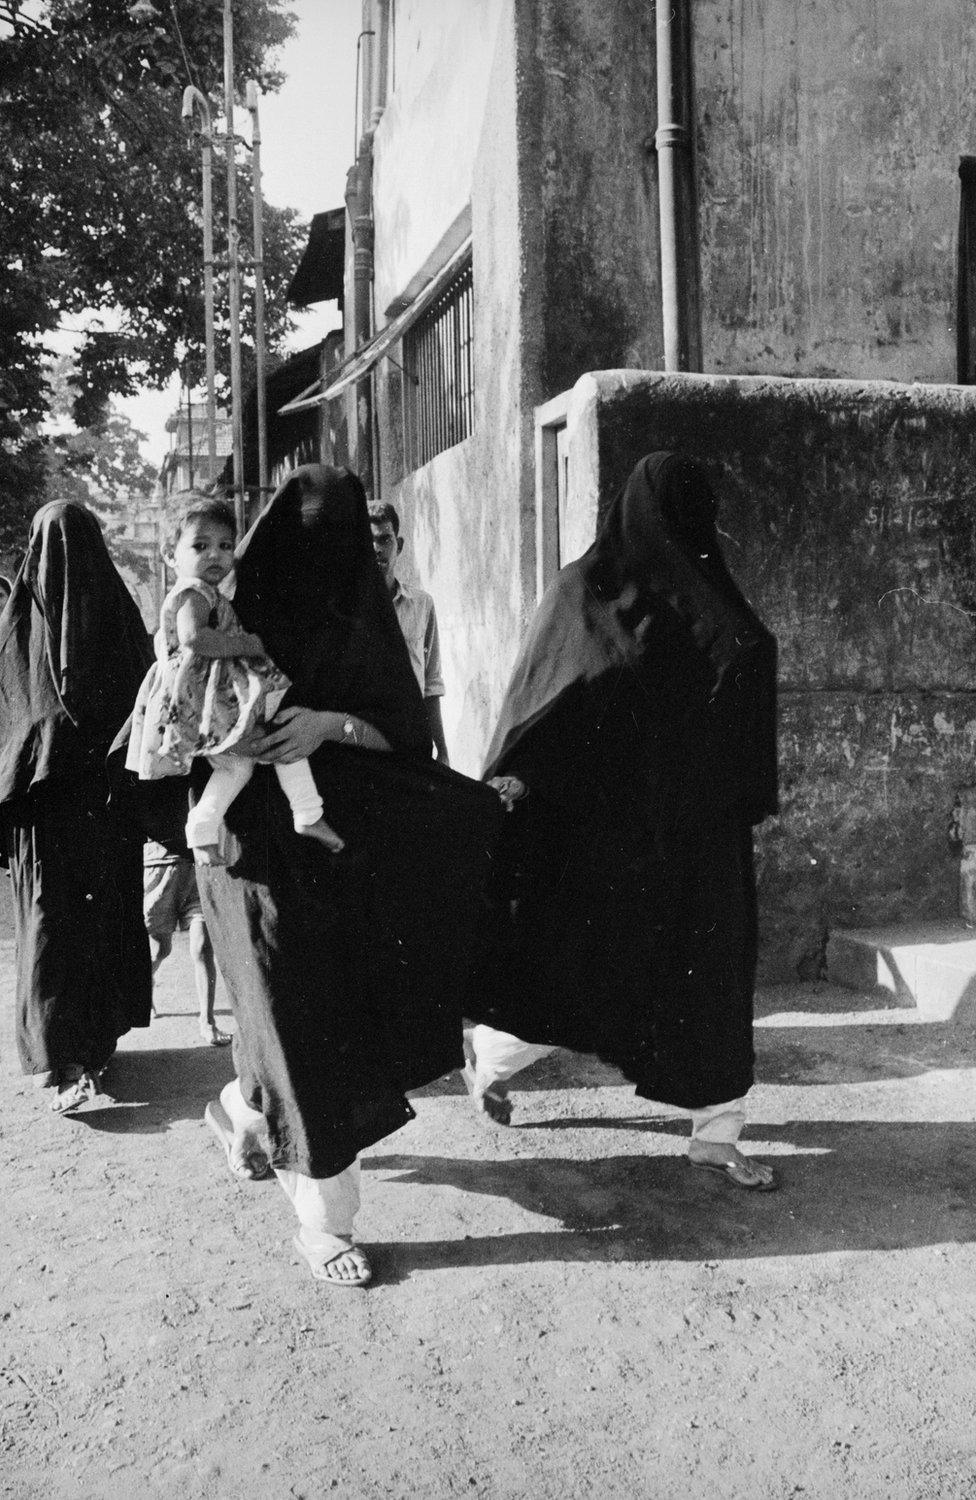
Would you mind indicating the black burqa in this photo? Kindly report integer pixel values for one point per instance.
(641, 716)
(346, 972)
(73, 650)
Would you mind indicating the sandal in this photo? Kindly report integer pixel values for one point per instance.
(73, 1092)
(319, 1262)
(254, 1166)
(213, 1037)
(741, 1173)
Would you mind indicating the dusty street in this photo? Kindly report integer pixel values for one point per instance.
(562, 1309)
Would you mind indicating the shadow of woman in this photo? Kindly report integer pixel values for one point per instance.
(874, 1186)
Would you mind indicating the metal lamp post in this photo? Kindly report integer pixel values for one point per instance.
(252, 98)
(194, 100)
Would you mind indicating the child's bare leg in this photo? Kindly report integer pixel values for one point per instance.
(299, 787)
(229, 777)
(205, 979)
(160, 947)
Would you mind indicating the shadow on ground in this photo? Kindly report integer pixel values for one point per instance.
(654, 1207)
(148, 1091)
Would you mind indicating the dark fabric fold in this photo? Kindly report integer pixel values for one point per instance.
(651, 608)
(641, 716)
(73, 650)
(308, 585)
(347, 973)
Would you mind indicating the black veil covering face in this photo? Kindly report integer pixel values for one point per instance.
(347, 972)
(308, 585)
(641, 716)
(73, 651)
(653, 598)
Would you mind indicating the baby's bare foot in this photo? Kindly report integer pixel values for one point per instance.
(325, 834)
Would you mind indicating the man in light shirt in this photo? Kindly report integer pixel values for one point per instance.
(418, 621)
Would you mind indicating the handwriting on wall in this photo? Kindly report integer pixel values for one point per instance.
(905, 516)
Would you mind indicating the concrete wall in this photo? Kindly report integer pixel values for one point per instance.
(830, 133)
(427, 141)
(467, 516)
(848, 515)
(589, 102)
(524, 123)
(829, 136)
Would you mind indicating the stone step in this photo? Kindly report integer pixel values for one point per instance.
(928, 967)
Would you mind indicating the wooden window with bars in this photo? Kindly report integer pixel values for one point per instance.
(439, 362)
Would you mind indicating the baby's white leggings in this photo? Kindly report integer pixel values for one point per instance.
(229, 777)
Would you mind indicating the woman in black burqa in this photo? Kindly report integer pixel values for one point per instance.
(637, 746)
(345, 970)
(73, 650)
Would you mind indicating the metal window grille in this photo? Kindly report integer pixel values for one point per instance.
(439, 357)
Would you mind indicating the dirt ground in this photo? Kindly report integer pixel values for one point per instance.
(562, 1309)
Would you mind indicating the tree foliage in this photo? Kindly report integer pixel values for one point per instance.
(102, 190)
(99, 466)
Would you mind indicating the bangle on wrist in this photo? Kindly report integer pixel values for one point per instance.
(349, 732)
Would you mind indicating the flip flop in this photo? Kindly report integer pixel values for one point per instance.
(73, 1093)
(488, 1101)
(211, 1036)
(740, 1177)
(319, 1262)
(219, 1122)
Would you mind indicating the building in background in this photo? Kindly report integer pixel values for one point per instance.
(502, 262)
(186, 466)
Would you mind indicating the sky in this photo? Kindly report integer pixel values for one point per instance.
(307, 147)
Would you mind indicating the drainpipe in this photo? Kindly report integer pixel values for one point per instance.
(678, 187)
(359, 204)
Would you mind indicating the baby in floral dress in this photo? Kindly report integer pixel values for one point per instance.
(211, 684)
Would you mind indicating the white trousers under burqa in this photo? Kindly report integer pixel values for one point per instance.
(499, 1056)
(326, 1206)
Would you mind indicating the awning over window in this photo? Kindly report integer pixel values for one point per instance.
(320, 270)
(362, 360)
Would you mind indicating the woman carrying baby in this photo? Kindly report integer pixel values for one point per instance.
(211, 685)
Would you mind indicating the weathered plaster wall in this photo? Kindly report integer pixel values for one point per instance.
(427, 141)
(467, 516)
(848, 515)
(590, 100)
(537, 116)
(829, 134)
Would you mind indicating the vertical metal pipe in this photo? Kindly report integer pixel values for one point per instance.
(259, 314)
(362, 235)
(379, 59)
(208, 300)
(234, 273)
(194, 100)
(189, 424)
(678, 187)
